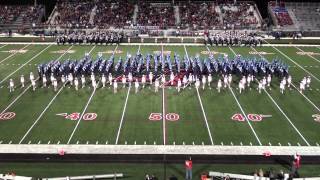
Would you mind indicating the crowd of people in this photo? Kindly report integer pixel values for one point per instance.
(95, 37)
(198, 16)
(281, 14)
(238, 15)
(29, 14)
(74, 13)
(117, 14)
(233, 38)
(160, 70)
(162, 16)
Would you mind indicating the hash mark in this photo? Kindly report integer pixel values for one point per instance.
(106, 142)
(58, 142)
(250, 143)
(183, 143)
(174, 143)
(125, 143)
(289, 144)
(39, 142)
(97, 142)
(145, 143)
(10, 142)
(49, 142)
(270, 144)
(279, 144)
(221, 143)
(192, 142)
(298, 144)
(87, 142)
(29, 142)
(77, 142)
(241, 144)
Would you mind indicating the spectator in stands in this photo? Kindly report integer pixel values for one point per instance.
(198, 16)
(156, 15)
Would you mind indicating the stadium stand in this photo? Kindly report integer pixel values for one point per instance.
(281, 14)
(240, 15)
(20, 16)
(198, 16)
(305, 14)
(73, 14)
(115, 14)
(156, 14)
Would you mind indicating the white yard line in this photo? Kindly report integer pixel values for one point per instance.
(308, 54)
(14, 53)
(245, 115)
(205, 116)
(122, 116)
(124, 110)
(306, 98)
(295, 88)
(3, 46)
(82, 114)
(64, 53)
(295, 128)
(24, 91)
(201, 105)
(295, 63)
(88, 102)
(25, 64)
(164, 131)
(39, 117)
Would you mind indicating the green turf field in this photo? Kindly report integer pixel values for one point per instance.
(123, 118)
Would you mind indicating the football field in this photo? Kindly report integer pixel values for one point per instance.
(192, 116)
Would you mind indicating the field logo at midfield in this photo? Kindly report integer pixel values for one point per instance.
(213, 52)
(63, 52)
(308, 53)
(169, 117)
(259, 53)
(12, 51)
(7, 116)
(164, 52)
(316, 117)
(76, 115)
(251, 117)
(111, 52)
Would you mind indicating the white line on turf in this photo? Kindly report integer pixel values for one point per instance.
(245, 115)
(3, 46)
(294, 127)
(295, 88)
(124, 108)
(122, 116)
(308, 55)
(39, 117)
(296, 63)
(87, 105)
(82, 114)
(164, 131)
(201, 105)
(239, 105)
(25, 64)
(24, 91)
(14, 53)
